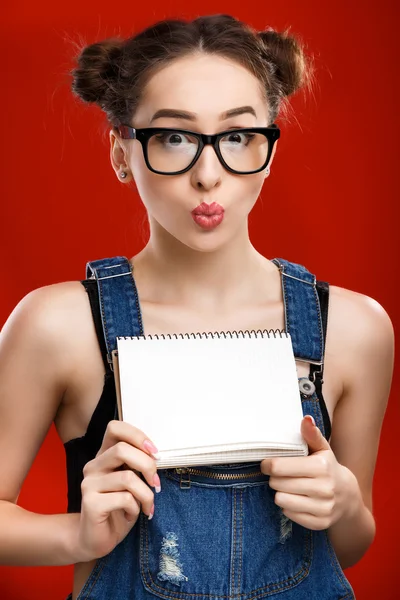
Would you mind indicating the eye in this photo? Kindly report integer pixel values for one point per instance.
(174, 139)
(237, 138)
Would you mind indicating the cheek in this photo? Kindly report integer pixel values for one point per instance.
(162, 194)
(151, 187)
(250, 187)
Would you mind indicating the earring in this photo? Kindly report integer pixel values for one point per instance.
(123, 174)
(267, 171)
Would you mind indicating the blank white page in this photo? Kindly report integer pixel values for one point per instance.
(195, 393)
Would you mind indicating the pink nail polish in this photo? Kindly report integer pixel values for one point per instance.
(157, 483)
(151, 513)
(311, 418)
(149, 447)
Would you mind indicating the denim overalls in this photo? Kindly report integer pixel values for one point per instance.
(217, 533)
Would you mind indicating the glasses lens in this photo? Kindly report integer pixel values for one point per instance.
(171, 151)
(244, 151)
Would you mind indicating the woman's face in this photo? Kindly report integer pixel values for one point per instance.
(206, 86)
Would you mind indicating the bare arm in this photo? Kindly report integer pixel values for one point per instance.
(36, 366)
(362, 341)
(31, 539)
(33, 377)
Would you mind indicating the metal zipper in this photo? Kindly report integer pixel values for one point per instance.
(187, 471)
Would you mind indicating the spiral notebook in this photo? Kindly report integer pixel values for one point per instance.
(225, 397)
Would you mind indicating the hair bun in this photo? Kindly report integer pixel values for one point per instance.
(286, 55)
(96, 70)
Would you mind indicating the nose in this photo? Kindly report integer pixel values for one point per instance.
(206, 173)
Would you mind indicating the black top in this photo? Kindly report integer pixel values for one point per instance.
(80, 450)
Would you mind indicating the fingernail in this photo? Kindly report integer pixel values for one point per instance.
(157, 483)
(151, 513)
(150, 447)
(311, 419)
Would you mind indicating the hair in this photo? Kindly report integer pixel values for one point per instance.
(113, 73)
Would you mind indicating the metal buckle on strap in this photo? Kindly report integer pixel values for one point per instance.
(297, 278)
(110, 362)
(314, 373)
(111, 276)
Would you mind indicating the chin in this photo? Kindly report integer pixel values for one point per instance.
(206, 241)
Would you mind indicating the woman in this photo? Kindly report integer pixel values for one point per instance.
(192, 108)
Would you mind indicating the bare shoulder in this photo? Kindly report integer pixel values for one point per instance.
(358, 323)
(45, 323)
(48, 307)
(50, 298)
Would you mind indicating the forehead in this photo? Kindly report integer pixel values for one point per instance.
(203, 84)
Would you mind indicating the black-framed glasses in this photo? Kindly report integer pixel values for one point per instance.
(169, 151)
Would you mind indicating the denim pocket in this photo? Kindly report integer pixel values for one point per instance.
(218, 540)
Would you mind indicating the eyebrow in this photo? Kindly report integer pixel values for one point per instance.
(189, 116)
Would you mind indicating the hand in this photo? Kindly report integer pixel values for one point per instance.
(111, 497)
(314, 491)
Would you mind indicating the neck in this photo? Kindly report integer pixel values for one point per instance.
(170, 272)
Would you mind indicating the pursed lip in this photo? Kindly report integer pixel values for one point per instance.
(208, 209)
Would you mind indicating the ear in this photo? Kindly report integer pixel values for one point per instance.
(118, 156)
(272, 158)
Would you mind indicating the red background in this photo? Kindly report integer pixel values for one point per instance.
(329, 203)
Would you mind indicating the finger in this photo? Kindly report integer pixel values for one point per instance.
(120, 431)
(297, 466)
(99, 506)
(119, 454)
(302, 504)
(313, 436)
(307, 520)
(305, 486)
(122, 481)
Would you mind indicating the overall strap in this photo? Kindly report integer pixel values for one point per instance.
(303, 319)
(316, 372)
(306, 302)
(118, 299)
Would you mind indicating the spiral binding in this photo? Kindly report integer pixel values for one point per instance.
(259, 333)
